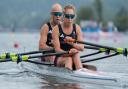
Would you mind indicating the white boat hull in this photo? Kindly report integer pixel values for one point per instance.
(78, 76)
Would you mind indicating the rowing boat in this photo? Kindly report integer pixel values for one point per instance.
(28, 62)
(83, 75)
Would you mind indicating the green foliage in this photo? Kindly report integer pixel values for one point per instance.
(85, 13)
(99, 9)
(23, 13)
(33, 13)
(121, 19)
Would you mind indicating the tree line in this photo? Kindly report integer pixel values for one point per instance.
(96, 13)
(33, 19)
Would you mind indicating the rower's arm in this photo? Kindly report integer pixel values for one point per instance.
(79, 38)
(56, 42)
(43, 38)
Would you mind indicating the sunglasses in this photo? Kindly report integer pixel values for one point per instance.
(57, 13)
(69, 16)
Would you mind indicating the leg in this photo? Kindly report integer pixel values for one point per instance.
(68, 63)
(65, 62)
(50, 59)
(77, 61)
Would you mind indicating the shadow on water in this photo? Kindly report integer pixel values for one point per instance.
(60, 83)
(62, 86)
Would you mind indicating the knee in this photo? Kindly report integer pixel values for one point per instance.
(69, 59)
(76, 56)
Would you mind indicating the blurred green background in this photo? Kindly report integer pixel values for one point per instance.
(31, 14)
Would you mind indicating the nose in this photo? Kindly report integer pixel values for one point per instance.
(58, 16)
(69, 18)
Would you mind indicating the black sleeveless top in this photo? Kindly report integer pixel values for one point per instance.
(49, 35)
(62, 36)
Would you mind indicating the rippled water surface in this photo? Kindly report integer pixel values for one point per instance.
(14, 77)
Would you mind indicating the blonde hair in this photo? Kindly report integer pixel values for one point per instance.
(55, 7)
(69, 7)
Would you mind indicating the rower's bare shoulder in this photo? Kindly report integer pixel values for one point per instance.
(78, 28)
(44, 28)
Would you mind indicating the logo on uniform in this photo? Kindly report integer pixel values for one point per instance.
(50, 31)
(62, 35)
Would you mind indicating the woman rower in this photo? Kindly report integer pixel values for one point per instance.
(65, 31)
(45, 42)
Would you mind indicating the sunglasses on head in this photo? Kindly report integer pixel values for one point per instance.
(57, 13)
(69, 16)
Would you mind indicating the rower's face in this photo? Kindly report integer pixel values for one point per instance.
(69, 16)
(57, 15)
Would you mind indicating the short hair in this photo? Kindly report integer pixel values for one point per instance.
(69, 7)
(55, 6)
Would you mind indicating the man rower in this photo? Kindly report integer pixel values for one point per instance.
(45, 41)
(68, 30)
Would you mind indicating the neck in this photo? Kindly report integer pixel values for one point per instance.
(52, 23)
(67, 25)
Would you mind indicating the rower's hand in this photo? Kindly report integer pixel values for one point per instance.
(68, 40)
(73, 51)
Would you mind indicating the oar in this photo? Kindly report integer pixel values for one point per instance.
(18, 58)
(98, 58)
(91, 54)
(91, 47)
(9, 55)
(21, 57)
(123, 51)
(34, 52)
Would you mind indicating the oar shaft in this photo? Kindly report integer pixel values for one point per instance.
(49, 54)
(34, 52)
(18, 58)
(91, 54)
(6, 60)
(97, 45)
(90, 47)
(95, 59)
(9, 55)
(40, 63)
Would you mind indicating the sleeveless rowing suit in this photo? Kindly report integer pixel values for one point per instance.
(49, 38)
(62, 36)
(49, 35)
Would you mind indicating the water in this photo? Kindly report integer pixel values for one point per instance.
(13, 77)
